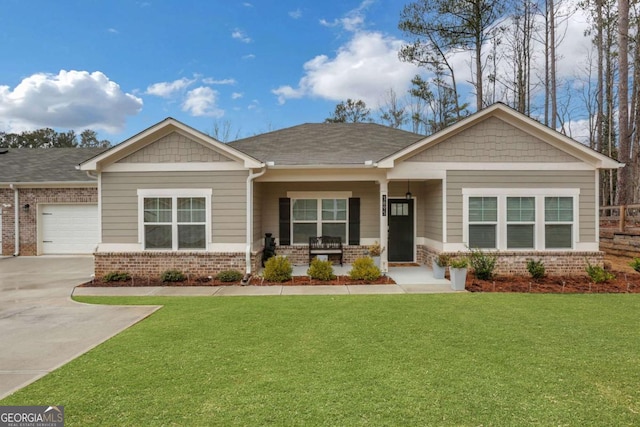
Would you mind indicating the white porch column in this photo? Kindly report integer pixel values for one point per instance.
(384, 227)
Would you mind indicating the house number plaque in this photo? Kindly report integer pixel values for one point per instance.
(384, 205)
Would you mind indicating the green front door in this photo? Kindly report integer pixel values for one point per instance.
(401, 231)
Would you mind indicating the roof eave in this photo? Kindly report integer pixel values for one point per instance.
(324, 166)
(49, 184)
(95, 163)
(586, 154)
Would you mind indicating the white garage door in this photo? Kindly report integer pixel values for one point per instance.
(69, 229)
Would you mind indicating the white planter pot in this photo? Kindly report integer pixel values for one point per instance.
(458, 278)
(376, 261)
(438, 272)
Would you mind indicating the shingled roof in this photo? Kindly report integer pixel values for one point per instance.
(327, 144)
(40, 165)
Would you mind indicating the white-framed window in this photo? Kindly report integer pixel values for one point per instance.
(558, 222)
(318, 217)
(483, 222)
(520, 219)
(521, 222)
(174, 219)
(319, 213)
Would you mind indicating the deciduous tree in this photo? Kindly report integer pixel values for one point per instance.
(351, 111)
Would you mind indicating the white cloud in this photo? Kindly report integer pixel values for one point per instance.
(168, 89)
(353, 20)
(365, 68)
(287, 92)
(211, 81)
(296, 14)
(236, 95)
(249, 56)
(70, 99)
(113, 31)
(201, 101)
(240, 35)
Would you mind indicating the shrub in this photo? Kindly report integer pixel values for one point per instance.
(173, 276)
(116, 276)
(598, 274)
(229, 276)
(277, 269)
(442, 260)
(536, 269)
(635, 264)
(321, 270)
(375, 249)
(483, 264)
(363, 268)
(459, 262)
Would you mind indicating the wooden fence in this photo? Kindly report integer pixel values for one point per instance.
(622, 219)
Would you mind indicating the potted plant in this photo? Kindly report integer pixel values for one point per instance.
(439, 265)
(458, 272)
(375, 251)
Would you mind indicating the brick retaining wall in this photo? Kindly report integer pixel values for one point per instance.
(299, 255)
(153, 264)
(514, 263)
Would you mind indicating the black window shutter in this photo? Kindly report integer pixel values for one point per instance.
(285, 221)
(354, 221)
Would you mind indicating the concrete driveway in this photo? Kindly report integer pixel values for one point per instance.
(41, 328)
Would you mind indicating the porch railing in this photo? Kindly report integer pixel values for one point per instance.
(620, 218)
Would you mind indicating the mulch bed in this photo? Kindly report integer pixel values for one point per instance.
(255, 281)
(624, 282)
(627, 281)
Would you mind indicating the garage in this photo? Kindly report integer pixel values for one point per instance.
(69, 228)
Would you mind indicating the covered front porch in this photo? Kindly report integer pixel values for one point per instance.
(403, 215)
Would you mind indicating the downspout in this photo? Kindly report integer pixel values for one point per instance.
(252, 176)
(96, 178)
(16, 220)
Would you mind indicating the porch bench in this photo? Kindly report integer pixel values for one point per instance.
(325, 245)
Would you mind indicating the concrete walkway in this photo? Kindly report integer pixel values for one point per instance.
(409, 280)
(41, 327)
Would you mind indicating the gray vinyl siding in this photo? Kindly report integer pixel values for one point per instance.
(368, 192)
(493, 140)
(584, 180)
(432, 218)
(120, 202)
(175, 148)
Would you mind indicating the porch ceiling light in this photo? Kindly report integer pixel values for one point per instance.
(408, 195)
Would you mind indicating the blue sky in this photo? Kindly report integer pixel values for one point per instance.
(120, 66)
(196, 61)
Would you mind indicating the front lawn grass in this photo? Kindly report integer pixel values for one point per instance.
(461, 359)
